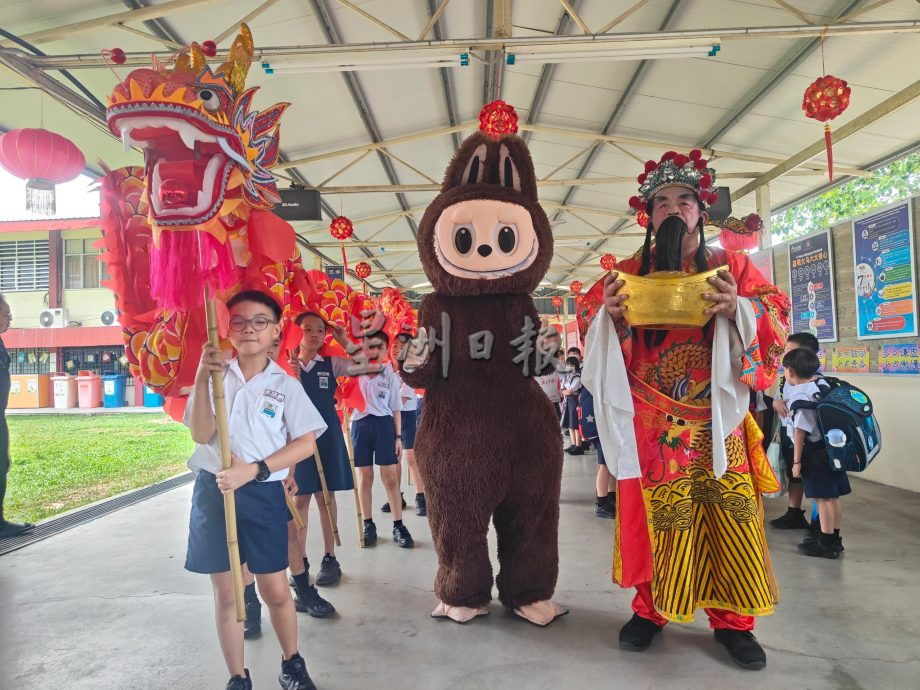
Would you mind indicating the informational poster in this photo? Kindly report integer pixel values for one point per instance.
(763, 260)
(335, 272)
(886, 287)
(811, 287)
(571, 335)
(850, 360)
(903, 358)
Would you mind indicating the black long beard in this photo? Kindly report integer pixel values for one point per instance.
(669, 244)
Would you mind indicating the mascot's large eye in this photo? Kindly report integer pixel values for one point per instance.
(463, 239)
(209, 99)
(507, 238)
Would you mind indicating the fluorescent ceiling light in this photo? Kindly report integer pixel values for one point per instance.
(420, 285)
(302, 65)
(606, 55)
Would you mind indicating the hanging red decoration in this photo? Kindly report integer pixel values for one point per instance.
(497, 119)
(642, 219)
(341, 229)
(557, 303)
(363, 271)
(42, 158)
(209, 48)
(608, 261)
(824, 99)
(576, 286)
(117, 55)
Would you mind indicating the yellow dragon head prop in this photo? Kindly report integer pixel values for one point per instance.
(206, 154)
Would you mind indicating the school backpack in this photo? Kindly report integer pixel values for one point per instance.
(852, 437)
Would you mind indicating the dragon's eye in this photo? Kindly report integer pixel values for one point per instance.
(209, 99)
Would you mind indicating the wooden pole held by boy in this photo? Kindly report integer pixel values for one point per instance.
(223, 441)
(354, 479)
(325, 488)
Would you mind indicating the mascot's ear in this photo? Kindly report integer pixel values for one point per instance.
(475, 167)
(507, 170)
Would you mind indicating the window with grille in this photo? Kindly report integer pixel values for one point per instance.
(82, 267)
(23, 265)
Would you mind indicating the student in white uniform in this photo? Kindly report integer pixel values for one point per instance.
(272, 426)
(375, 435)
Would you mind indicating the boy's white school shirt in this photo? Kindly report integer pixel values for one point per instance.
(265, 414)
(381, 394)
(408, 392)
(806, 420)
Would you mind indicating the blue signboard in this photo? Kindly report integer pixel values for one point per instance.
(335, 272)
(884, 273)
(811, 287)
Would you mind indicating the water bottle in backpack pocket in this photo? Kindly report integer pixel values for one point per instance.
(852, 437)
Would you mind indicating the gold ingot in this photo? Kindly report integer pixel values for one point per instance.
(668, 299)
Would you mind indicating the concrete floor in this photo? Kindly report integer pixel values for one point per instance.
(107, 606)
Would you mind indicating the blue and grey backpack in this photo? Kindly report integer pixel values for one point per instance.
(851, 433)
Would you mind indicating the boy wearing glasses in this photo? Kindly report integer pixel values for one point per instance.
(272, 425)
(375, 435)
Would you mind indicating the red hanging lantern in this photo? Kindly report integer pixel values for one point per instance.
(363, 271)
(497, 119)
(341, 229)
(824, 99)
(608, 261)
(576, 287)
(642, 219)
(557, 303)
(42, 158)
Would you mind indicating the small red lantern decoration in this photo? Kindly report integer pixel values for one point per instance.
(341, 229)
(209, 48)
(824, 99)
(576, 287)
(363, 271)
(497, 119)
(608, 261)
(44, 159)
(117, 55)
(556, 302)
(642, 219)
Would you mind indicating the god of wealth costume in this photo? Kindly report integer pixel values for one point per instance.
(672, 413)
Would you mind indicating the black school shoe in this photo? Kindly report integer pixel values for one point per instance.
(294, 674)
(330, 571)
(252, 626)
(307, 600)
(825, 546)
(14, 529)
(240, 682)
(791, 519)
(385, 508)
(421, 505)
(370, 533)
(402, 537)
(637, 634)
(743, 648)
(604, 510)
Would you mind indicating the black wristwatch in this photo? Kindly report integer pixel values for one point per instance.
(264, 473)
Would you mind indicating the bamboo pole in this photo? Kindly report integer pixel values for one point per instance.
(325, 488)
(223, 441)
(292, 506)
(354, 479)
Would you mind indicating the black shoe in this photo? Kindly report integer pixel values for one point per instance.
(240, 682)
(571, 448)
(370, 534)
(329, 571)
(294, 674)
(838, 544)
(604, 511)
(306, 570)
(252, 627)
(576, 450)
(402, 537)
(824, 546)
(791, 519)
(14, 529)
(421, 505)
(814, 528)
(743, 648)
(585, 445)
(385, 508)
(637, 634)
(307, 600)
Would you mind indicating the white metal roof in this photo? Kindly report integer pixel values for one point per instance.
(745, 102)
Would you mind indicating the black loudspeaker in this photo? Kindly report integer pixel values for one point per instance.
(722, 209)
(298, 204)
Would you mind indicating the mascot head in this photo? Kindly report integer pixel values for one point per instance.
(485, 233)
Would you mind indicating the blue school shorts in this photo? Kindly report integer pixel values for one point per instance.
(374, 441)
(409, 423)
(261, 527)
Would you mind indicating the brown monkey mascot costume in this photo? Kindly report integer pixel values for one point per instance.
(488, 443)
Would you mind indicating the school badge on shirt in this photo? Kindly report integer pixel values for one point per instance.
(272, 403)
(323, 378)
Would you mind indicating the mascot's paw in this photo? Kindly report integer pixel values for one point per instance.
(541, 613)
(458, 614)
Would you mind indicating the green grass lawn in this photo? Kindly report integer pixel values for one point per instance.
(62, 462)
